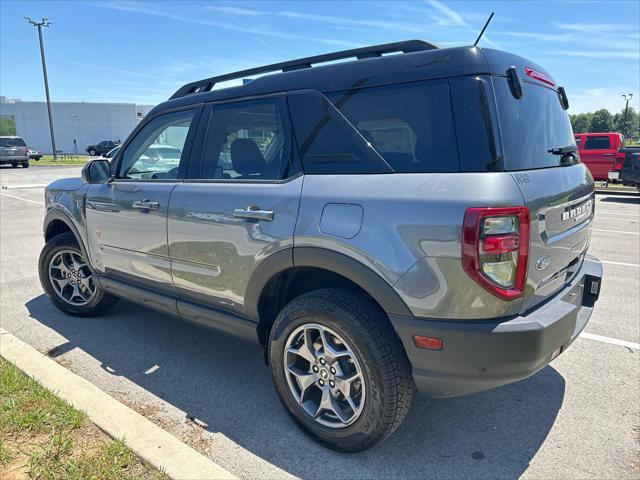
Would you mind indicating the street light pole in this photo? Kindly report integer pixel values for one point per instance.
(626, 109)
(45, 23)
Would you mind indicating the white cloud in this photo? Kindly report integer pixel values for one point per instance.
(242, 29)
(399, 26)
(601, 54)
(596, 27)
(590, 100)
(237, 11)
(450, 18)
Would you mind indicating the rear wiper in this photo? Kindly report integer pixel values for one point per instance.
(563, 150)
(568, 154)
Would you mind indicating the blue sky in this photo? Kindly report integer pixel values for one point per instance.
(142, 51)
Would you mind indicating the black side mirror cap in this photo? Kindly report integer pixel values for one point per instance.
(514, 82)
(96, 171)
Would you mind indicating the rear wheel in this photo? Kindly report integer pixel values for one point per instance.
(25, 164)
(68, 280)
(14, 164)
(340, 370)
(92, 152)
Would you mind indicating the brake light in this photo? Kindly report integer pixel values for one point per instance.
(541, 77)
(495, 249)
(619, 161)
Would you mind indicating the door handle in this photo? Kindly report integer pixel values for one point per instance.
(253, 212)
(607, 154)
(146, 205)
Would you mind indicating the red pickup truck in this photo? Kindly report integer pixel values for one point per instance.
(600, 153)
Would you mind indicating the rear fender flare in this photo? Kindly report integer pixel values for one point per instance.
(371, 282)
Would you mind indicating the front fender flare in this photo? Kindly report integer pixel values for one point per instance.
(57, 214)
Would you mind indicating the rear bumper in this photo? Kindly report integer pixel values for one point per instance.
(478, 355)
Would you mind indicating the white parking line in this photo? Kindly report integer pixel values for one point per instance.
(636, 215)
(24, 186)
(23, 199)
(621, 263)
(612, 341)
(615, 231)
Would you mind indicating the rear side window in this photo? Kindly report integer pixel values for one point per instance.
(328, 143)
(597, 143)
(409, 125)
(531, 126)
(12, 142)
(248, 140)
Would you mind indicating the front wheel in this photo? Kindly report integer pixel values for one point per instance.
(68, 280)
(92, 153)
(340, 370)
(14, 164)
(25, 165)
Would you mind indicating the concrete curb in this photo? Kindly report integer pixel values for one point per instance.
(150, 442)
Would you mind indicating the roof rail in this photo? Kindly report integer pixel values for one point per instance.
(207, 84)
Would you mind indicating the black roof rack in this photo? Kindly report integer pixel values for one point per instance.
(359, 53)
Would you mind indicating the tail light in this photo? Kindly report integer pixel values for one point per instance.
(495, 249)
(619, 161)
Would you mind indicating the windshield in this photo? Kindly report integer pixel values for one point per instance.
(12, 142)
(531, 126)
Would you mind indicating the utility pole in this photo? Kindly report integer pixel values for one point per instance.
(626, 109)
(45, 23)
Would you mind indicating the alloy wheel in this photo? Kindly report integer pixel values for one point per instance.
(71, 278)
(324, 375)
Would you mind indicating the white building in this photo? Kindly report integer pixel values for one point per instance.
(76, 124)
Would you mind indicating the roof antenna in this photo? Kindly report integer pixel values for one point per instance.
(483, 29)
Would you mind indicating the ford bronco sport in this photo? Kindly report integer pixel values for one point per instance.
(396, 221)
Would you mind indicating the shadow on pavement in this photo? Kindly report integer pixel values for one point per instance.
(224, 382)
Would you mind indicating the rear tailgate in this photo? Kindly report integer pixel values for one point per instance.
(561, 201)
(558, 190)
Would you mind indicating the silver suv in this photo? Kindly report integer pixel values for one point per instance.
(397, 221)
(14, 151)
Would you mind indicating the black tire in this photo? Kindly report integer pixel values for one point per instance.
(25, 164)
(14, 164)
(100, 302)
(384, 364)
(92, 152)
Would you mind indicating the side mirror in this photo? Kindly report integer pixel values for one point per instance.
(96, 171)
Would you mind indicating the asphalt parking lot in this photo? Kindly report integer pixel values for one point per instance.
(578, 418)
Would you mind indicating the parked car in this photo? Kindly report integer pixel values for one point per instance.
(627, 170)
(112, 153)
(34, 154)
(600, 152)
(377, 225)
(101, 148)
(13, 150)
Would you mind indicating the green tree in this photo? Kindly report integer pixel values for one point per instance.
(629, 128)
(581, 122)
(601, 121)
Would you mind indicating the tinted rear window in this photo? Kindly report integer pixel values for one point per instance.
(531, 125)
(12, 142)
(410, 125)
(597, 143)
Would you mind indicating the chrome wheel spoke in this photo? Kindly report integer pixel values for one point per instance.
(332, 354)
(61, 282)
